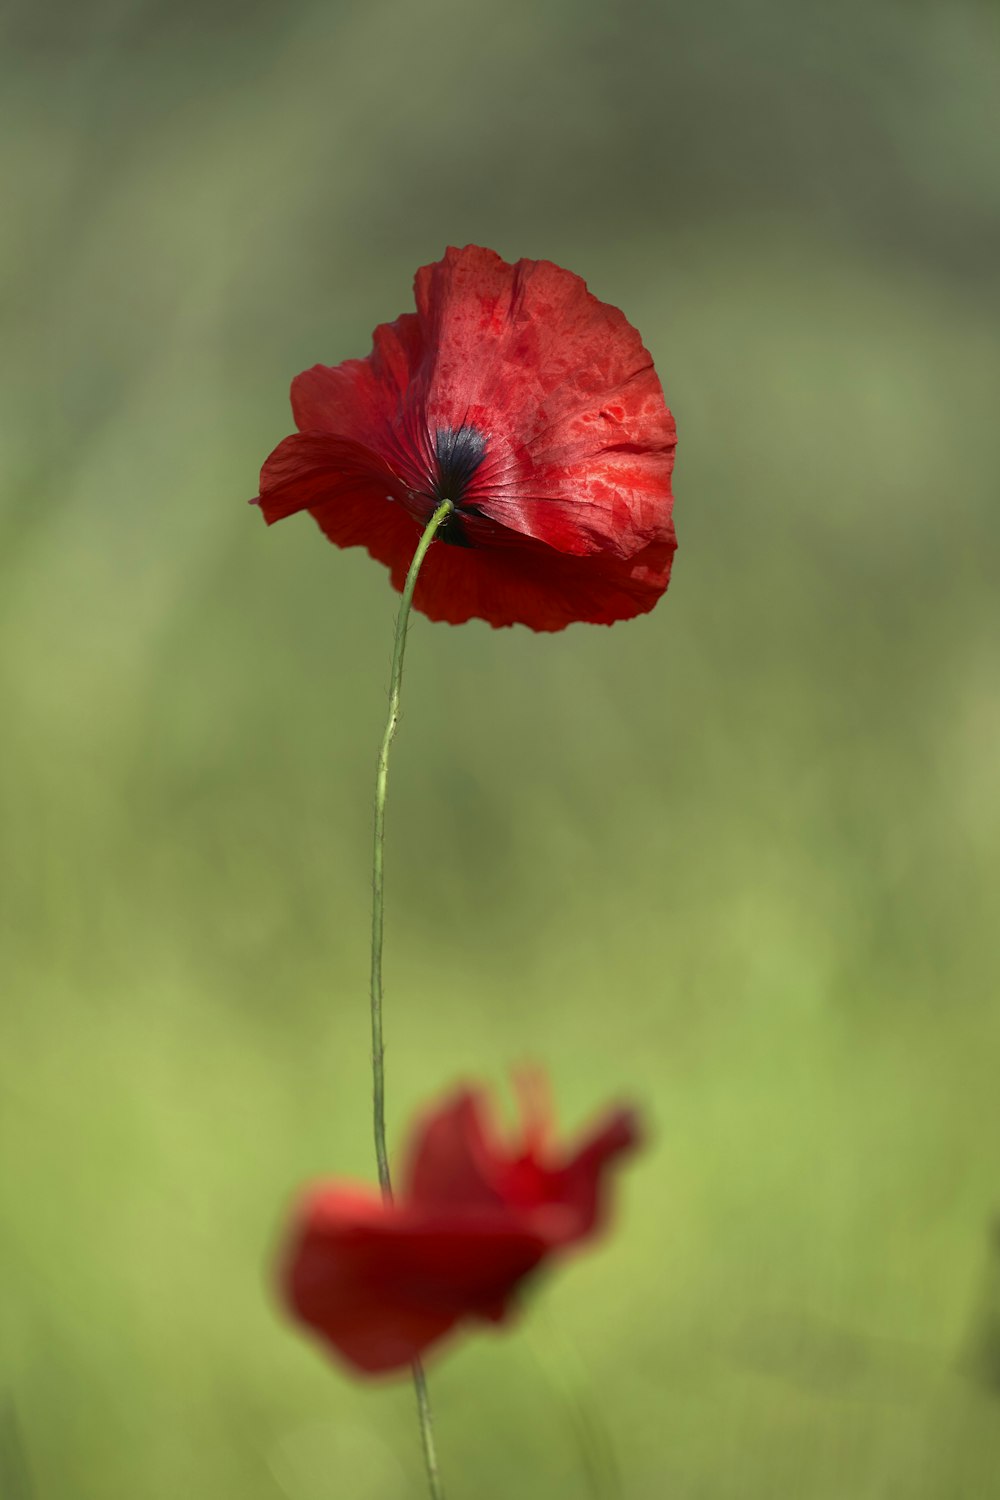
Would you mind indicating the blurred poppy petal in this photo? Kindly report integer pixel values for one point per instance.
(379, 1283)
(452, 1156)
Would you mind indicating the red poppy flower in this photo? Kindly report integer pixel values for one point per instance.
(381, 1282)
(515, 393)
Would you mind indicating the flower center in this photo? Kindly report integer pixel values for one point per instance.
(459, 452)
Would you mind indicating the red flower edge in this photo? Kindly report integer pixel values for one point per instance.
(534, 407)
(380, 1283)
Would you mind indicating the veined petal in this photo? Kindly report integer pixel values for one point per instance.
(535, 408)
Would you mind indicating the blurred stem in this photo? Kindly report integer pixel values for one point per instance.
(378, 890)
(15, 1475)
(560, 1363)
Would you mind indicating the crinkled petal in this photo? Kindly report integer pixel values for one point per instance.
(375, 401)
(579, 439)
(529, 584)
(527, 343)
(308, 469)
(566, 512)
(351, 493)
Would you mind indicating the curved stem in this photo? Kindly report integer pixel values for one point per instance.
(378, 888)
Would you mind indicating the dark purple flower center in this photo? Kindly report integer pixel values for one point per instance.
(459, 452)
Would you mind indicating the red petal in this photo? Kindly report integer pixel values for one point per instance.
(578, 1186)
(374, 401)
(453, 1161)
(615, 500)
(527, 342)
(531, 585)
(308, 469)
(512, 580)
(568, 515)
(580, 441)
(349, 491)
(381, 1284)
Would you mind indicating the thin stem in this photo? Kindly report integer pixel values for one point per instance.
(427, 1431)
(378, 904)
(378, 877)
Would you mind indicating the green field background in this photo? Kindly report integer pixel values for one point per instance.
(736, 861)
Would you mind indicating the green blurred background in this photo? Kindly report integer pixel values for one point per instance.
(736, 860)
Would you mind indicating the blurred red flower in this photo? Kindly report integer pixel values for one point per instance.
(535, 408)
(380, 1282)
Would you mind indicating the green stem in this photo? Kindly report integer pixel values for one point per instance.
(427, 1431)
(378, 905)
